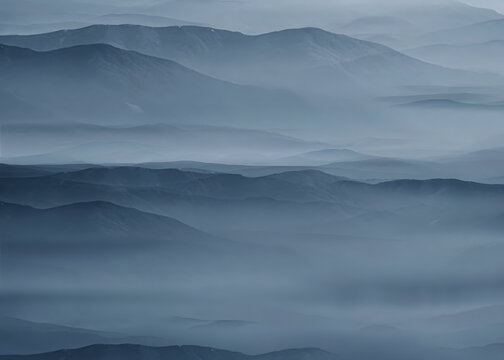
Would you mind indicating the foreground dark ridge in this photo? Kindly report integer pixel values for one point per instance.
(190, 352)
(140, 352)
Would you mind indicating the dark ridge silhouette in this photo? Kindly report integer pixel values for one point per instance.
(139, 352)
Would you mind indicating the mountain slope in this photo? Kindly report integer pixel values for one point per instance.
(95, 224)
(306, 59)
(103, 83)
(181, 42)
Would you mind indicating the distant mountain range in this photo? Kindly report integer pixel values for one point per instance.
(108, 19)
(485, 155)
(252, 16)
(441, 14)
(306, 60)
(482, 56)
(405, 23)
(255, 16)
(479, 32)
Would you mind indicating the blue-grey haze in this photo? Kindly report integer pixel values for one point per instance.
(251, 180)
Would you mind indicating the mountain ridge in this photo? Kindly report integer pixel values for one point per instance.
(288, 59)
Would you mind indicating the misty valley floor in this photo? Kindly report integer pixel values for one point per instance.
(161, 256)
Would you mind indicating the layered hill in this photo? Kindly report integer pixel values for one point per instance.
(220, 201)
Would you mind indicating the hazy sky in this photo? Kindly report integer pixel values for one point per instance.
(494, 4)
